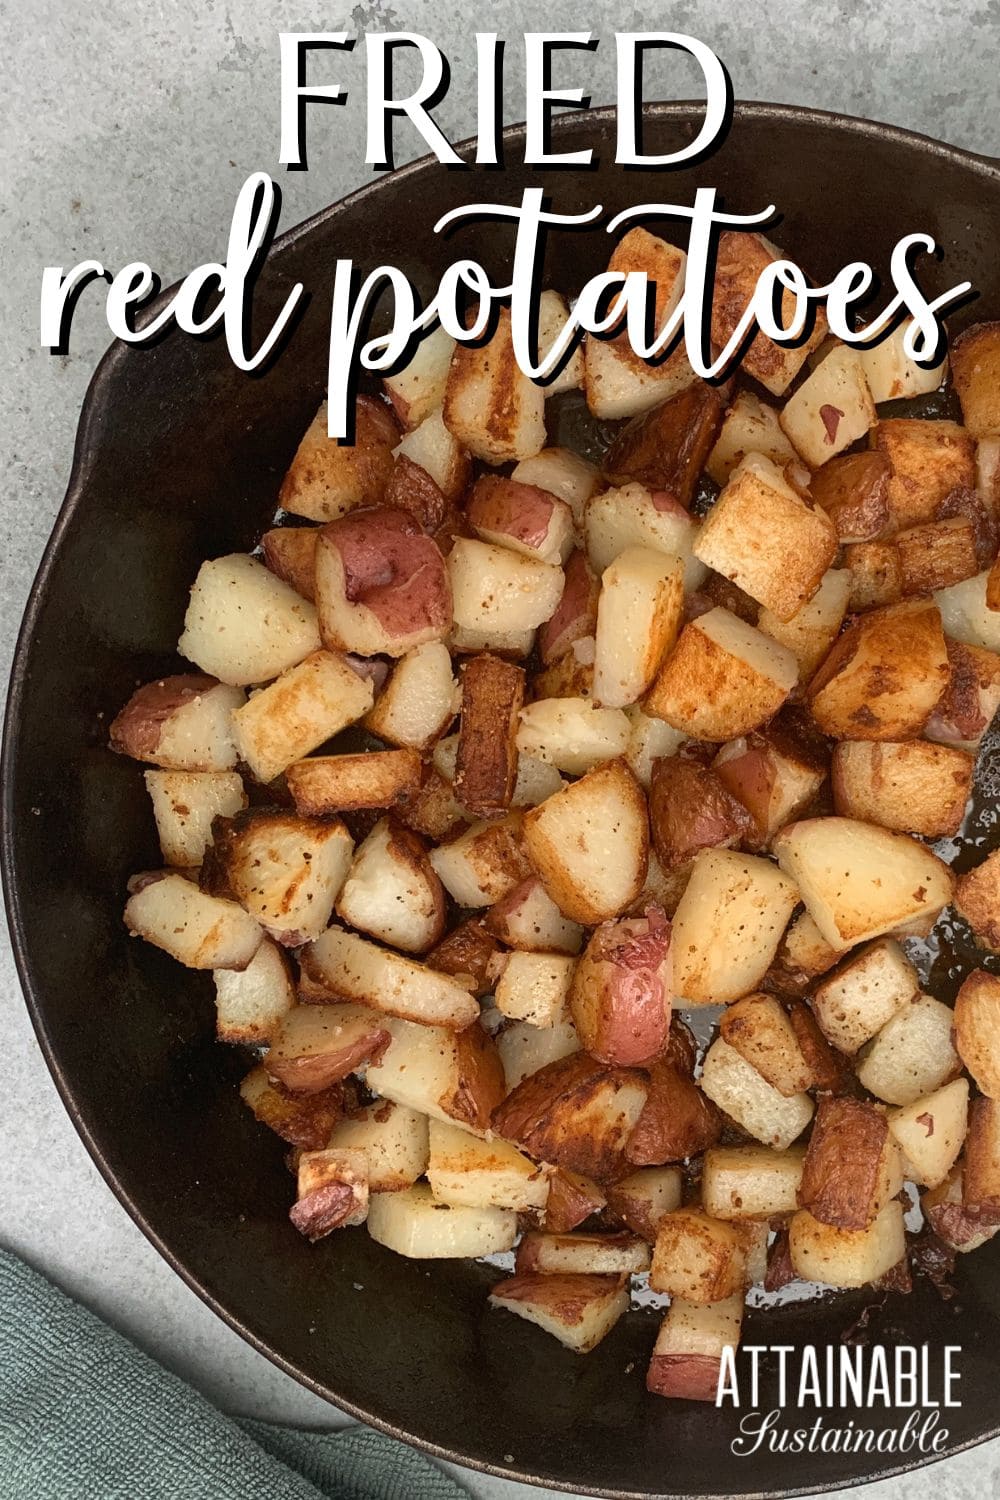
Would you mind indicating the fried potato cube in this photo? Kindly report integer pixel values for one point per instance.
(332, 1192)
(564, 474)
(690, 809)
(975, 372)
(981, 1173)
(393, 1140)
(865, 992)
(803, 956)
(528, 520)
(740, 1092)
(649, 740)
(764, 537)
(493, 409)
(433, 811)
(494, 588)
(572, 734)
(553, 315)
(290, 553)
(722, 679)
(643, 1197)
(243, 625)
(749, 426)
(698, 1258)
(977, 899)
(413, 1223)
(977, 1029)
(529, 920)
(250, 1002)
(638, 616)
(847, 1257)
(307, 705)
(884, 675)
(181, 723)
(891, 373)
(742, 258)
(486, 755)
(966, 614)
(430, 459)
(960, 1226)
(937, 554)
(911, 786)
(315, 1046)
(576, 1113)
(831, 409)
(352, 968)
(621, 1254)
(467, 953)
(534, 987)
(666, 448)
(620, 990)
(418, 388)
(929, 459)
(419, 700)
(485, 863)
(526, 1049)
(184, 804)
(577, 1310)
(327, 478)
(687, 1356)
(728, 925)
(200, 931)
(859, 881)
(853, 490)
(852, 1166)
(304, 1120)
(758, 1028)
(634, 516)
(285, 869)
(776, 776)
(468, 1172)
(445, 1074)
(381, 584)
(392, 891)
(751, 1182)
(930, 1132)
(678, 1120)
(912, 1055)
(589, 843)
(876, 573)
(575, 616)
(812, 630)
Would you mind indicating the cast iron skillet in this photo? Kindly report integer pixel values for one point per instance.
(178, 459)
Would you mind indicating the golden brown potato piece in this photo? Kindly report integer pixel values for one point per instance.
(667, 448)
(325, 784)
(775, 774)
(620, 992)
(977, 1029)
(975, 372)
(521, 516)
(332, 1192)
(492, 408)
(381, 585)
(967, 705)
(830, 1070)
(486, 761)
(578, 1310)
(180, 723)
(803, 956)
(876, 572)
(690, 808)
(929, 459)
(884, 676)
(847, 1257)
(741, 260)
(937, 554)
(687, 1357)
(529, 920)
(852, 1166)
(698, 1258)
(961, 1227)
(854, 491)
(304, 1120)
(758, 1028)
(575, 617)
(307, 705)
(318, 1045)
(977, 898)
(728, 925)
(911, 786)
(572, 1199)
(577, 1113)
(413, 490)
(722, 679)
(484, 863)
(600, 1254)
(677, 1120)
(328, 478)
(467, 953)
(641, 1199)
(290, 552)
(981, 1172)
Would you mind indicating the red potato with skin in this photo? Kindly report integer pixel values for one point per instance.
(303, 1120)
(576, 1113)
(620, 995)
(381, 585)
(667, 448)
(774, 778)
(687, 1355)
(522, 517)
(327, 478)
(572, 1200)
(690, 808)
(678, 1120)
(968, 704)
(332, 1192)
(318, 1045)
(578, 1310)
(180, 723)
(290, 553)
(575, 617)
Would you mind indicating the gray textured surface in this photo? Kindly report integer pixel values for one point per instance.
(127, 131)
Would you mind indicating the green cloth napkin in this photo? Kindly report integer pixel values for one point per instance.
(85, 1415)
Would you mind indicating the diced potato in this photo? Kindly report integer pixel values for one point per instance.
(758, 1028)
(803, 956)
(307, 705)
(576, 1113)
(847, 1257)
(492, 408)
(304, 1120)
(961, 1227)
(751, 1182)
(930, 1132)
(981, 1172)
(526, 1049)
(553, 315)
(831, 409)
(852, 1166)
(977, 1029)
(381, 584)
(698, 1258)
(854, 492)
(687, 1355)
(572, 734)
(617, 381)
(876, 573)
(413, 1223)
(563, 473)
(393, 1141)
(620, 1254)
(528, 919)
(678, 1120)
(728, 925)
(929, 459)
(573, 1198)
(649, 740)
(742, 259)
(180, 724)
(447, 1075)
(775, 774)
(912, 1055)
(859, 881)
(620, 996)
(966, 615)
(534, 987)
(635, 517)
(534, 782)
(575, 617)
(638, 616)
(884, 676)
(317, 1045)
(494, 588)
(911, 786)
(200, 931)
(468, 953)
(250, 1002)
(485, 863)
(328, 478)
(830, 1068)
(432, 449)
(392, 891)
(184, 804)
(975, 370)
(750, 426)
(577, 1310)
(419, 700)
(812, 630)
(691, 809)
(589, 843)
(433, 812)
(468, 1172)
(666, 447)
(856, 1001)
(892, 375)
(332, 1192)
(740, 1091)
(486, 753)
(352, 968)
(243, 625)
(287, 870)
(290, 553)
(722, 679)
(418, 388)
(528, 520)
(764, 537)
(643, 1198)
(514, 645)
(325, 784)
(977, 899)
(937, 554)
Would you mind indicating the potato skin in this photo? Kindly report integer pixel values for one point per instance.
(666, 448)
(843, 1163)
(572, 1199)
(135, 731)
(620, 994)
(853, 489)
(678, 1120)
(884, 675)
(467, 950)
(691, 809)
(567, 1113)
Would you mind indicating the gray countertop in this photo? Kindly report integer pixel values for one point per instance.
(128, 130)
